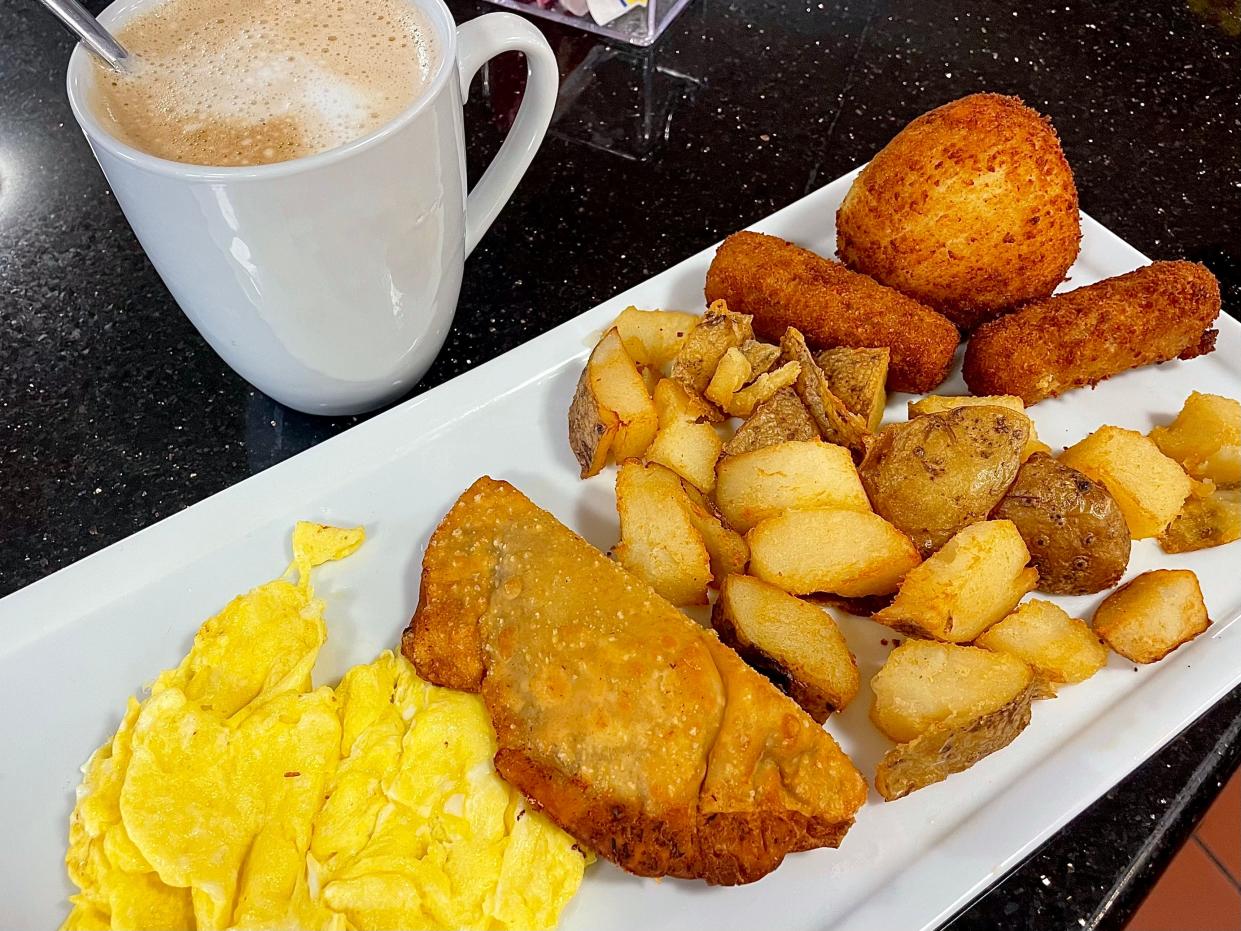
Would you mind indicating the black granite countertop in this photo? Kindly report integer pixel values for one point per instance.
(114, 413)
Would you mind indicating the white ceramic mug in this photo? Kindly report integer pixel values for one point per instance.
(329, 282)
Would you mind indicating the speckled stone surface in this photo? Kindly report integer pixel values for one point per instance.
(113, 413)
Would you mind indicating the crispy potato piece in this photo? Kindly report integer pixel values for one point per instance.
(1205, 438)
(1149, 487)
(685, 444)
(592, 428)
(970, 209)
(1151, 615)
(939, 472)
(727, 548)
(935, 755)
(659, 542)
(762, 388)
(719, 331)
(798, 475)
(850, 553)
(780, 418)
(857, 377)
(973, 581)
(1204, 522)
(837, 424)
(654, 337)
(937, 404)
(761, 356)
(796, 645)
(1077, 537)
(924, 684)
(1059, 648)
(731, 372)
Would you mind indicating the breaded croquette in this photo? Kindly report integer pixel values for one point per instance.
(1160, 312)
(783, 285)
(970, 209)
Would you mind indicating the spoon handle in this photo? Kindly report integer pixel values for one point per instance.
(87, 29)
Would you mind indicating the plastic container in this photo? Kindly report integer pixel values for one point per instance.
(639, 25)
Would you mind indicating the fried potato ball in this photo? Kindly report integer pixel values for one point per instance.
(970, 209)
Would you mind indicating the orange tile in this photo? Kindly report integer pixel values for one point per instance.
(1192, 895)
(1220, 830)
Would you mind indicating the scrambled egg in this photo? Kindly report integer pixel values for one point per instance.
(236, 796)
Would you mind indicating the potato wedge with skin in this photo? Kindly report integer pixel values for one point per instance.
(850, 553)
(761, 356)
(726, 548)
(935, 755)
(685, 443)
(971, 583)
(1059, 648)
(858, 377)
(654, 337)
(796, 645)
(1204, 522)
(780, 418)
(1205, 438)
(837, 424)
(1150, 616)
(731, 372)
(743, 402)
(592, 428)
(940, 472)
(1076, 534)
(924, 685)
(659, 542)
(1149, 487)
(719, 331)
(937, 404)
(798, 475)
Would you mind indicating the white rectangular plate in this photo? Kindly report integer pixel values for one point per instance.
(74, 645)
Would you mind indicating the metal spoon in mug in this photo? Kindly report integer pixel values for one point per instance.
(97, 39)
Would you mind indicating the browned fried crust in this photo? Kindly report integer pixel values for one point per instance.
(970, 209)
(633, 728)
(1156, 313)
(783, 285)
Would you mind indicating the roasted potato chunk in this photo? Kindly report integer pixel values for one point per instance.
(685, 443)
(1150, 616)
(727, 548)
(798, 475)
(837, 424)
(973, 581)
(704, 347)
(939, 472)
(1149, 487)
(654, 337)
(780, 418)
(1205, 438)
(611, 409)
(850, 553)
(1059, 648)
(1212, 520)
(796, 645)
(948, 707)
(761, 356)
(857, 377)
(659, 542)
(731, 372)
(743, 402)
(1076, 534)
(937, 404)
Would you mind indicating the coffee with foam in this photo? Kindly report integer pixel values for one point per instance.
(249, 82)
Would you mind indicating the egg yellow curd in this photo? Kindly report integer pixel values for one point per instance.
(235, 795)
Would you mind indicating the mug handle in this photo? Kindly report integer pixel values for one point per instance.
(482, 39)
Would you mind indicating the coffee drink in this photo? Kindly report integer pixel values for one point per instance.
(249, 82)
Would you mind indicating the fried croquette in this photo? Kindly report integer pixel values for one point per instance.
(1160, 312)
(970, 209)
(783, 285)
(632, 727)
